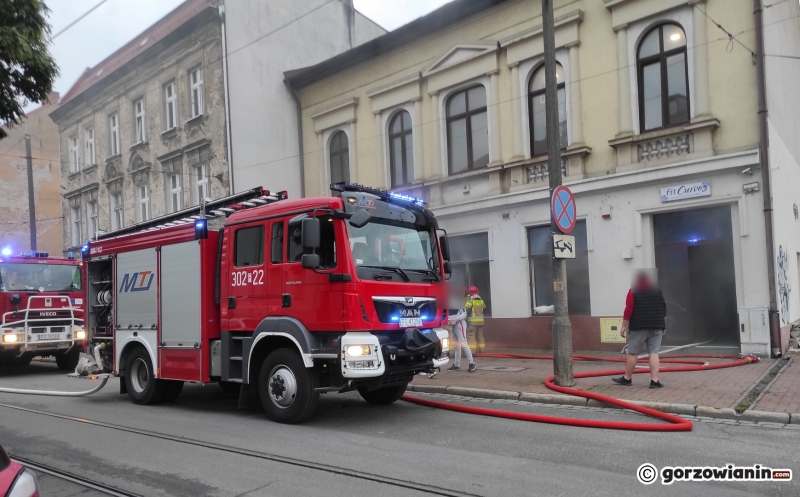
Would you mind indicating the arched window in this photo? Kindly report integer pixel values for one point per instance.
(467, 130)
(663, 78)
(339, 157)
(401, 149)
(537, 113)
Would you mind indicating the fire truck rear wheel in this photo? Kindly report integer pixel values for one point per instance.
(142, 387)
(287, 387)
(383, 396)
(67, 361)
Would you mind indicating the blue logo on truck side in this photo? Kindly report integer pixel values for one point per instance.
(135, 282)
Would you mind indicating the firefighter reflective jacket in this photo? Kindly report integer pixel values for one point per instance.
(475, 306)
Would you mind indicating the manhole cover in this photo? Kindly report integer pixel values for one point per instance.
(504, 369)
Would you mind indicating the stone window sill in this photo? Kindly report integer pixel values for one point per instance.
(139, 145)
(169, 133)
(74, 175)
(197, 120)
(113, 158)
(90, 169)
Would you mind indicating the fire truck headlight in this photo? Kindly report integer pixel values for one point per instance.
(80, 335)
(357, 350)
(445, 344)
(9, 338)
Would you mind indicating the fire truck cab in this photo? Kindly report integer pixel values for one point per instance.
(281, 299)
(41, 304)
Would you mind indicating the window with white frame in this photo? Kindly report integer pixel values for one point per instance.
(144, 204)
(201, 182)
(196, 91)
(138, 121)
(116, 211)
(467, 130)
(663, 76)
(401, 149)
(88, 135)
(175, 193)
(74, 165)
(91, 216)
(113, 134)
(537, 111)
(339, 157)
(76, 226)
(170, 106)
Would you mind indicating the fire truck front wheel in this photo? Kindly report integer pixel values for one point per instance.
(67, 361)
(383, 396)
(287, 387)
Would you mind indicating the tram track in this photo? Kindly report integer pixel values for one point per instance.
(312, 465)
(71, 477)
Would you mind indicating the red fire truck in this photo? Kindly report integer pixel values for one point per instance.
(280, 299)
(41, 303)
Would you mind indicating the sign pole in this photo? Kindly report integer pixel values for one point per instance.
(562, 329)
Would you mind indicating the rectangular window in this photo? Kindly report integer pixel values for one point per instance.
(171, 107)
(540, 255)
(74, 165)
(88, 135)
(138, 121)
(196, 91)
(116, 211)
(91, 216)
(201, 185)
(76, 226)
(113, 134)
(249, 247)
(276, 256)
(469, 256)
(144, 204)
(327, 249)
(175, 193)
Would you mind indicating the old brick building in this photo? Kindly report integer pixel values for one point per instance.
(143, 133)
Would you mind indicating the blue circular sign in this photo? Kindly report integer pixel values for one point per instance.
(563, 209)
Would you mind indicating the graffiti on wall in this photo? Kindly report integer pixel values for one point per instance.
(784, 283)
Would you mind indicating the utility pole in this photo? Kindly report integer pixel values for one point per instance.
(562, 329)
(31, 203)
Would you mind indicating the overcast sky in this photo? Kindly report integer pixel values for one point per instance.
(118, 21)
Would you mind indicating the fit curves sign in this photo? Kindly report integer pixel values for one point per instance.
(686, 190)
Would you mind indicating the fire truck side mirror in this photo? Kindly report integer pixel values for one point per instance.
(310, 261)
(448, 269)
(445, 247)
(360, 219)
(310, 233)
(15, 299)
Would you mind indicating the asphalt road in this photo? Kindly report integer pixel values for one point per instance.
(216, 450)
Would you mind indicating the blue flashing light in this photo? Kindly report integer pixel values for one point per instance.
(85, 250)
(407, 198)
(200, 224)
(424, 318)
(200, 229)
(6, 251)
(395, 318)
(71, 255)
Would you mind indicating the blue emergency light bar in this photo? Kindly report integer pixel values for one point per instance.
(353, 187)
(200, 229)
(85, 250)
(6, 251)
(32, 253)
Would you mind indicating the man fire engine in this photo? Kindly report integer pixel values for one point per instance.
(41, 304)
(284, 299)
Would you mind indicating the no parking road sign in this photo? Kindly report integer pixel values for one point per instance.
(563, 209)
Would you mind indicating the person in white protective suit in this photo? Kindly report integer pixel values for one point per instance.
(458, 325)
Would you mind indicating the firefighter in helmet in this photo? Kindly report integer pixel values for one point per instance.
(475, 305)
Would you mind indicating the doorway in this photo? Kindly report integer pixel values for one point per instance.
(694, 258)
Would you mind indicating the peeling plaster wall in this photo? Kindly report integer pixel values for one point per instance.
(14, 217)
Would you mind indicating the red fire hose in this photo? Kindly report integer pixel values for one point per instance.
(675, 423)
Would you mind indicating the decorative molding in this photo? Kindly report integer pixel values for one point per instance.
(659, 148)
(352, 101)
(341, 112)
(576, 16)
(470, 50)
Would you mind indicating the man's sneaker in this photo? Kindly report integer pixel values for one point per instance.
(454, 368)
(656, 384)
(472, 368)
(622, 381)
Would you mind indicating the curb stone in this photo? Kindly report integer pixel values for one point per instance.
(685, 410)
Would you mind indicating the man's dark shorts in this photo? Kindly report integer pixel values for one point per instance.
(644, 341)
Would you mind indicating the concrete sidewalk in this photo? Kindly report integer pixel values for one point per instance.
(719, 388)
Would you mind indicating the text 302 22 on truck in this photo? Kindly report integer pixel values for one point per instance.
(281, 298)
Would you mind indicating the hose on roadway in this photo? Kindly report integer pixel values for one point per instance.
(675, 423)
(57, 393)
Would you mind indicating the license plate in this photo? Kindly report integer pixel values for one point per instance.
(50, 336)
(410, 322)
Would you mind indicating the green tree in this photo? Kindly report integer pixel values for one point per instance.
(27, 70)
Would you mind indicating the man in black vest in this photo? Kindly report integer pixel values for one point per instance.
(644, 324)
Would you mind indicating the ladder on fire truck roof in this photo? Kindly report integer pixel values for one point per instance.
(222, 207)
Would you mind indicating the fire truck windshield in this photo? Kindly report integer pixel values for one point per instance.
(407, 251)
(42, 277)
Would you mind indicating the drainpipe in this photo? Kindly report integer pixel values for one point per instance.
(774, 319)
(299, 138)
(231, 190)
